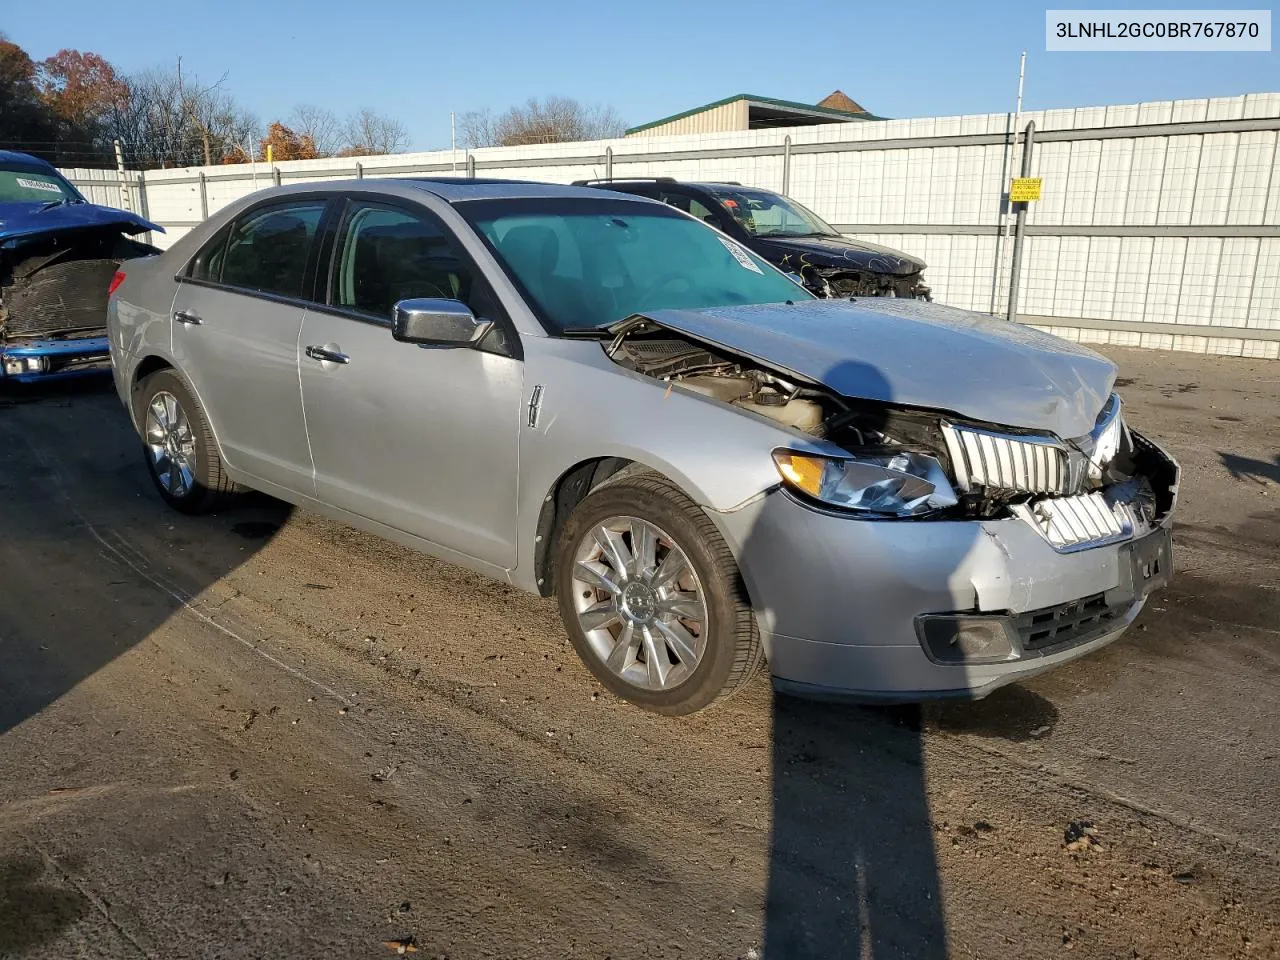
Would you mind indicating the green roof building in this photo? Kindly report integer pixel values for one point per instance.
(748, 112)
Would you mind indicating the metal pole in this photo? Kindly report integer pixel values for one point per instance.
(204, 198)
(1002, 218)
(275, 176)
(471, 166)
(1015, 268)
(786, 165)
(453, 143)
(359, 170)
(608, 163)
(124, 180)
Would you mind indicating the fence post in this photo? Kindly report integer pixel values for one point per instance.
(143, 208)
(124, 180)
(359, 170)
(204, 198)
(608, 163)
(471, 166)
(1015, 268)
(786, 165)
(275, 175)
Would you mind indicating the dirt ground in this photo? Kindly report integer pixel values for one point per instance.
(263, 734)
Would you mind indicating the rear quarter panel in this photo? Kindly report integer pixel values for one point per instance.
(139, 319)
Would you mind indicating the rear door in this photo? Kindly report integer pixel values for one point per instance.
(237, 317)
(421, 438)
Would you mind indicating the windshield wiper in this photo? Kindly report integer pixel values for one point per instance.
(51, 204)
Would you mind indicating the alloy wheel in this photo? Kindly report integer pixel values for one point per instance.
(170, 443)
(639, 603)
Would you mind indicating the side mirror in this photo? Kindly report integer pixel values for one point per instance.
(429, 320)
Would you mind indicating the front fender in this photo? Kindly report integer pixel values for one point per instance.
(589, 407)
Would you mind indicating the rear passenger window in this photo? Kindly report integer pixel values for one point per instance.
(387, 255)
(689, 205)
(267, 250)
(207, 264)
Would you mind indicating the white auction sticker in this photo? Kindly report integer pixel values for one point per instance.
(38, 185)
(741, 255)
(1136, 30)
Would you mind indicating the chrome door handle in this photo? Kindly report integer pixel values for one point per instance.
(322, 354)
(187, 317)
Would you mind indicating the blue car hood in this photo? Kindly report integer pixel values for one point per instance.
(21, 220)
(916, 354)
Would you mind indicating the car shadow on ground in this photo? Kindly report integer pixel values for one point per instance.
(84, 542)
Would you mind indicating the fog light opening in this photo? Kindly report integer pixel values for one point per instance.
(960, 638)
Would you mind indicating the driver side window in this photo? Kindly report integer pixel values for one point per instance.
(385, 255)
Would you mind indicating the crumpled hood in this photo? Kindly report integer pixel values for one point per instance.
(18, 220)
(838, 252)
(917, 354)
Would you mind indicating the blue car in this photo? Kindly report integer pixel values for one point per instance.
(58, 259)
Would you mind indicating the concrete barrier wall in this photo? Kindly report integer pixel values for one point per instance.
(1159, 225)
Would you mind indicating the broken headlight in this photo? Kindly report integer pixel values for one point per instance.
(894, 483)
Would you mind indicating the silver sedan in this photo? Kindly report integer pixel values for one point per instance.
(598, 397)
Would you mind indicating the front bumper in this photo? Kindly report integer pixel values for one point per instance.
(40, 361)
(842, 602)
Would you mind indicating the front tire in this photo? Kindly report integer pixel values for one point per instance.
(652, 599)
(182, 456)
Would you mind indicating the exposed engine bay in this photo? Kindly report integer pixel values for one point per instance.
(996, 471)
(55, 285)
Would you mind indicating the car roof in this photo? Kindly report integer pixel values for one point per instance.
(457, 189)
(665, 183)
(14, 157)
(449, 189)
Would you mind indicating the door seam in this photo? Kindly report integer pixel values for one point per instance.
(302, 400)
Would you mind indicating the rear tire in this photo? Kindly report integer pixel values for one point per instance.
(181, 454)
(652, 598)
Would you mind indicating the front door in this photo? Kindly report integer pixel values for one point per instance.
(236, 321)
(423, 439)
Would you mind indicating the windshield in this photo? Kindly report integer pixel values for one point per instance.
(589, 263)
(18, 185)
(765, 214)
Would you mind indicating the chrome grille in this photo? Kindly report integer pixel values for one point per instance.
(1077, 522)
(1004, 462)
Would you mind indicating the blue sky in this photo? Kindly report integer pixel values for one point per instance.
(417, 61)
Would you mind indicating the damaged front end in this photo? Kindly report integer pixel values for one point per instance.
(1108, 485)
(58, 255)
(843, 282)
(53, 299)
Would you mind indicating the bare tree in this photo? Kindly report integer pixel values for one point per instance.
(321, 125)
(367, 132)
(475, 129)
(167, 119)
(553, 120)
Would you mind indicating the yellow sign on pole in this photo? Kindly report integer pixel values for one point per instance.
(1024, 189)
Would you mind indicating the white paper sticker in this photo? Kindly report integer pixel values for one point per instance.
(38, 185)
(741, 255)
